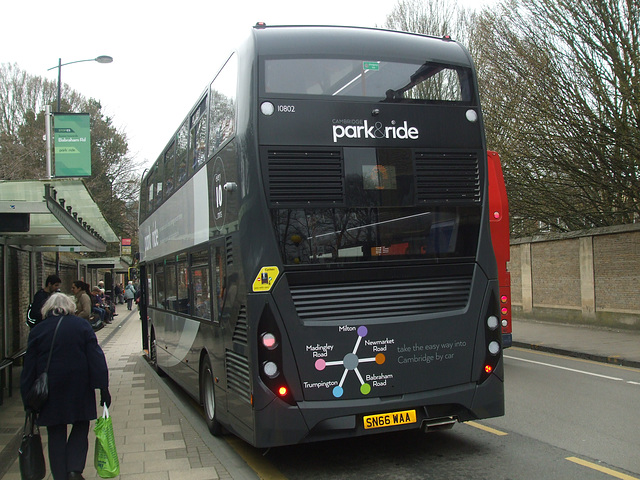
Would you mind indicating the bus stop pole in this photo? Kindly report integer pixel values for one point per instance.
(47, 130)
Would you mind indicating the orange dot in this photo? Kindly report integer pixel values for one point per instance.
(380, 358)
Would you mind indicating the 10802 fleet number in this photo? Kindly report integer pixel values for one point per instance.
(287, 108)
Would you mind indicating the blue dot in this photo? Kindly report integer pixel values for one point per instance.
(337, 391)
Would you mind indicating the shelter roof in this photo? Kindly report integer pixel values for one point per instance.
(53, 215)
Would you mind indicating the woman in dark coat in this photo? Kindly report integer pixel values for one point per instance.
(78, 366)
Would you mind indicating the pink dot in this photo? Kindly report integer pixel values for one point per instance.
(320, 364)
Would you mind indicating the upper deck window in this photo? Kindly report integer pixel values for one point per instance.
(368, 78)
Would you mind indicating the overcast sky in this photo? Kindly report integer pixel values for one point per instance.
(165, 53)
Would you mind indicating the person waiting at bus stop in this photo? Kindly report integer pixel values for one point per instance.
(51, 285)
(81, 292)
(97, 305)
(78, 367)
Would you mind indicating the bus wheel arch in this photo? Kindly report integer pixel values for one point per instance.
(207, 396)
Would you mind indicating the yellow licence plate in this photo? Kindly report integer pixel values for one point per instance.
(389, 419)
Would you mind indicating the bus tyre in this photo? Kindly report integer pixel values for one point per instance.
(154, 355)
(207, 392)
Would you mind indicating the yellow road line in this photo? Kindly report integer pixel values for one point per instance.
(263, 468)
(600, 468)
(487, 429)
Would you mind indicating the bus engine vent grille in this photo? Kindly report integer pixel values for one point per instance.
(238, 375)
(367, 300)
(240, 332)
(305, 178)
(447, 178)
(229, 250)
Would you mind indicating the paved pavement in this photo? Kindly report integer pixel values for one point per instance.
(621, 347)
(160, 438)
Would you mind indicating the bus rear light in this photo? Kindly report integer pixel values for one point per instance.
(504, 299)
(493, 322)
(270, 369)
(282, 391)
(269, 341)
(496, 215)
(488, 368)
(504, 310)
(505, 322)
(494, 348)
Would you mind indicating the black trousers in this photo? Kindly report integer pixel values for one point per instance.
(68, 454)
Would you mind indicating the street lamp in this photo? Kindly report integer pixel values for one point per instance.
(100, 59)
(47, 108)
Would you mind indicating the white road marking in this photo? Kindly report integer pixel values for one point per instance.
(565, 368)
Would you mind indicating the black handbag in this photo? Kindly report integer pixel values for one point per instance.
(30, 455)
(39, 391)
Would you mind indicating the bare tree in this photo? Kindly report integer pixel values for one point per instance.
(435, 17)
(561, 94)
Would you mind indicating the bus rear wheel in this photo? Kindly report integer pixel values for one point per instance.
(207, 392)
(153, 355)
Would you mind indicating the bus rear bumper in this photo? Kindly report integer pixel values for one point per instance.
(328, 420)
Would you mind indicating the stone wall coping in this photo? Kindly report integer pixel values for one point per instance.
(592, 232)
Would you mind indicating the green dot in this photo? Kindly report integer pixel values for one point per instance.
(365, 389)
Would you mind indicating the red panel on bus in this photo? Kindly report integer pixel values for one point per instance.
(499, 222)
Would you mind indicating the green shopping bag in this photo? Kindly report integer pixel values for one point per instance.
(105, 456)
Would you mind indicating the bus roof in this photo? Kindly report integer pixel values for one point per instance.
(361, 41)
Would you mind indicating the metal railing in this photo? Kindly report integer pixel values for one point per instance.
(6, 373)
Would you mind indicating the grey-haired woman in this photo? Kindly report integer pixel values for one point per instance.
(78, 367)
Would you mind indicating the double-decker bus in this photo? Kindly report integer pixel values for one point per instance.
(499, 221)
(315, 240)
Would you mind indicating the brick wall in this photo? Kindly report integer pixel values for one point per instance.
(617, 271)
(555, 269)
(23, 279)
(591, 276)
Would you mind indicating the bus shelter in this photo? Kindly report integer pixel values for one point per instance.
(36, 217)
(110, 270)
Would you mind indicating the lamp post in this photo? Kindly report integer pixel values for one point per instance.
(100, 59)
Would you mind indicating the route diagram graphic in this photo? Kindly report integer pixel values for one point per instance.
(350, 362)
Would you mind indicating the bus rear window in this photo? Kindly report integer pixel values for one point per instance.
(338, 235)
(368, 78)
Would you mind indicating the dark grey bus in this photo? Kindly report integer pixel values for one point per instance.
(315, 240)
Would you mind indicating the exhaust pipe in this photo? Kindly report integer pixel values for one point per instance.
(438, 424)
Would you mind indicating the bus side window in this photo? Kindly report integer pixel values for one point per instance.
(169, 168)
(222, 105)
(144, 200)
(198, 138)
(200, 285)
(182, 304)
(159, 181)
(171, 288)
(150, 289)
(151, 189)
(181, 154)
(160, 294)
